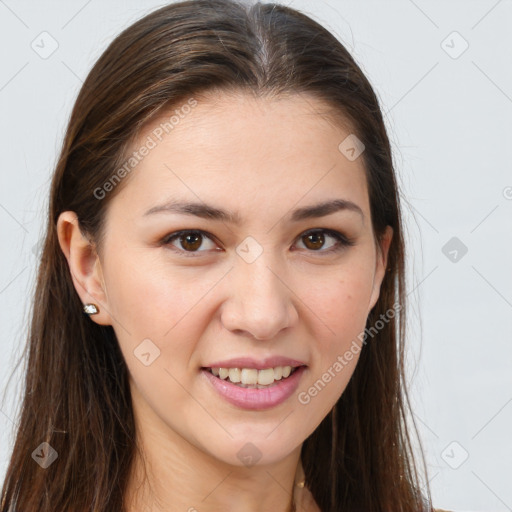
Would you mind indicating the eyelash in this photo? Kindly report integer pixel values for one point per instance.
(342, 240)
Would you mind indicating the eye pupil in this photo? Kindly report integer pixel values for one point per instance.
(195, 245)
(317, 239)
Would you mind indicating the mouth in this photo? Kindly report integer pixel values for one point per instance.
(253, 378)
(254, 389)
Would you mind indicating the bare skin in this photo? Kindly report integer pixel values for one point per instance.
(199, 301)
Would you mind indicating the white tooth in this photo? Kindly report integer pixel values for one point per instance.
(249, 376)
(266, 376)
(252, 377)
(234, 374)
(286, 371)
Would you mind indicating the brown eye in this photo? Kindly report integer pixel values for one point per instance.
(316, 240)
(189, 241)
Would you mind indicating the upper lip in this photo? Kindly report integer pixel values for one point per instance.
(257, 364)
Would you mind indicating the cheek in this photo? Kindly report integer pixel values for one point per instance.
(157, 325)
(340, 308)
(341, 302)
(149, 296)
(151, 300)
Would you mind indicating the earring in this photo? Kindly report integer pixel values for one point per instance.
(91, 309)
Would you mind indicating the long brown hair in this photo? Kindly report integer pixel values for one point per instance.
(76, 395)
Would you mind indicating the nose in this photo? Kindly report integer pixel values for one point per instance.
(260, 303)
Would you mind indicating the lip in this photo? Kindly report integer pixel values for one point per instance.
(257, 364)
(254, 398)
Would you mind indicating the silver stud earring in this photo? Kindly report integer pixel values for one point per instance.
(91, 309)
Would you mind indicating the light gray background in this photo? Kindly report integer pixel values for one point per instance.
(450, 121)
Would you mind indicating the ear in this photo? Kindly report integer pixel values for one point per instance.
(380, 266)
(84, 265)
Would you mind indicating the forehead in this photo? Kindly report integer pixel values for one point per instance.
(252, 152)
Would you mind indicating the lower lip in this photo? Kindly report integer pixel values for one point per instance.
(254, 398)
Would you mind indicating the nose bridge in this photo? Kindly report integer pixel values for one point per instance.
(259, 302)
(257, 264)
(260, 278)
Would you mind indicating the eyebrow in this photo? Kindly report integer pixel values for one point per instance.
(212, 213)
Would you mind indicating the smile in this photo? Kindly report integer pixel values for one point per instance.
(254, 389)
(253, 378)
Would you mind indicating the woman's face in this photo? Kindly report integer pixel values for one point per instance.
(251, 176)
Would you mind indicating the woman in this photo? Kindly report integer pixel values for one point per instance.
(219, 316)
